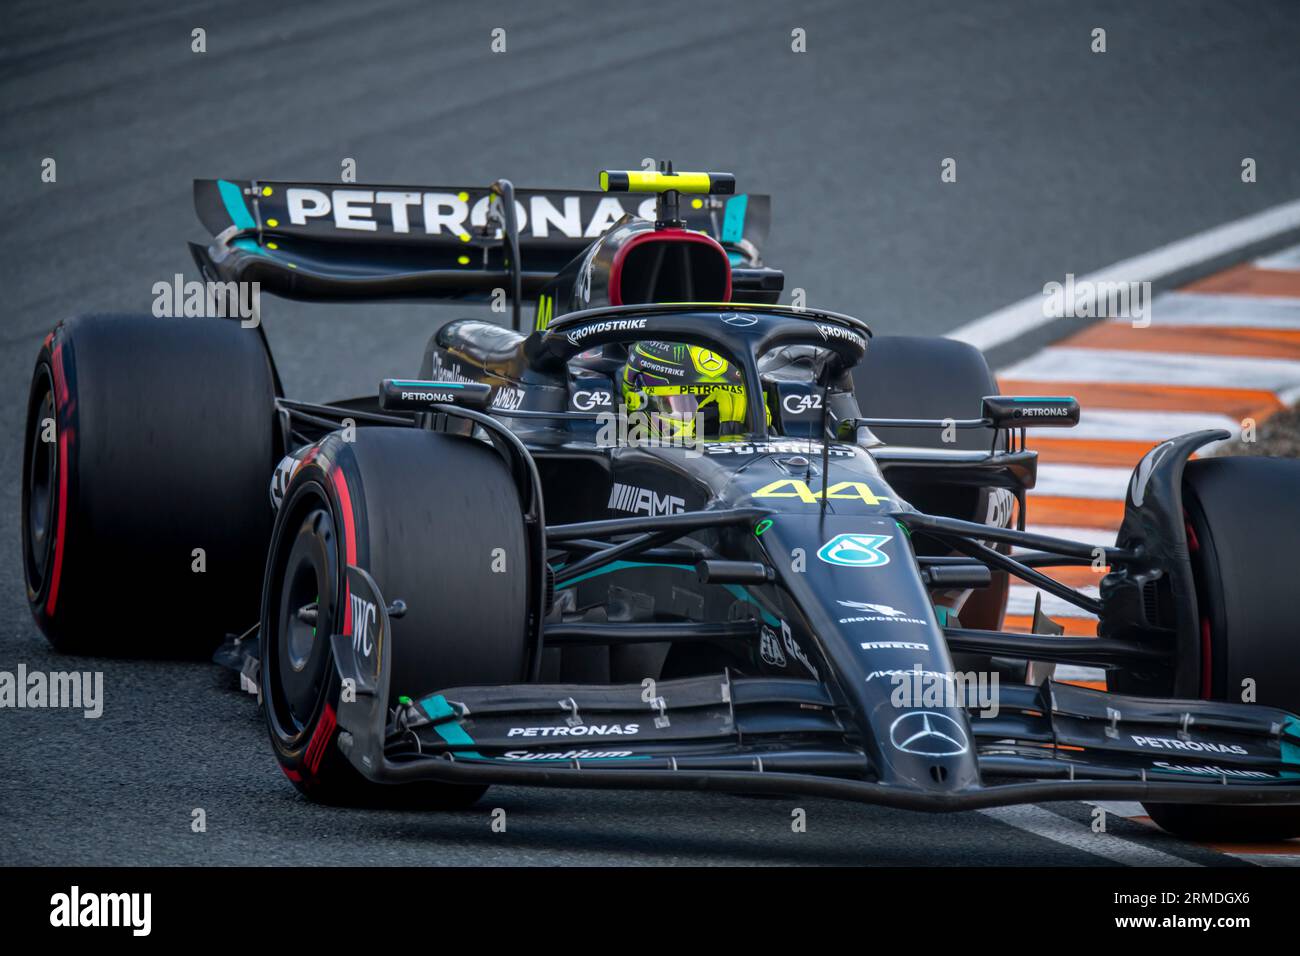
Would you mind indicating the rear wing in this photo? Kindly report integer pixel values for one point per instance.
(330, 241)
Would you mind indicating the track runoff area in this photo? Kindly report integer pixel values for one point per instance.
(1220, 351)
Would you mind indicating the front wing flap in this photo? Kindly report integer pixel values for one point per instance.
(788, 736)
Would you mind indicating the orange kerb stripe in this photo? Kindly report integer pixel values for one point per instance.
(1074, 626)
(1216, 340)
(1089, 451)
(1247, 280)
(1075, 577)
(1237, 402)
(1075, 512)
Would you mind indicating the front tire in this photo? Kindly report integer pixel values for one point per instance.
(1244, 521)
(436, 520)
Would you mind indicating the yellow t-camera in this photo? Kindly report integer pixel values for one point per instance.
(641, 181)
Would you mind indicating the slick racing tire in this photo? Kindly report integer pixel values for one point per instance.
(1244, 521)
(436, 521)
(148, 451)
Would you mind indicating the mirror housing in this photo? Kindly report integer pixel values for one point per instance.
(1038, 411)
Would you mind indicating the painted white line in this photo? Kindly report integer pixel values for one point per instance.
(1021, 601)
(1222, 310)
(1114, 424)
(1120, 808)
(1051, 826)
(1114, 367)
(1026, 315)
(1285, 259)
(1081, 481)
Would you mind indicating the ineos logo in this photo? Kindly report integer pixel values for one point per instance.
(928, 734)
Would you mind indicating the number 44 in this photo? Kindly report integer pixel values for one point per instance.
(842, 490)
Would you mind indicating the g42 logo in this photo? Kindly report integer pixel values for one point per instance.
(855, 550)
(585, 401)
(840, 491)
(802, 404)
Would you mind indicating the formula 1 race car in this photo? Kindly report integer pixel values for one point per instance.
(674, 536)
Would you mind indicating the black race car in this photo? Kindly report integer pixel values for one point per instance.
(674, 536)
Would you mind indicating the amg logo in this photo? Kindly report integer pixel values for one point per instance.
(441, 213)
(363, 615)
(636, 500)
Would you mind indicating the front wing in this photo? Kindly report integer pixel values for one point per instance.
(789, 736)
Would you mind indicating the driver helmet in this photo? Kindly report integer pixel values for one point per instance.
(678, 385)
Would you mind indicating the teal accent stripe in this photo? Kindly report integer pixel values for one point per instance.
(439, 710)
(740, 593)
(1290, 751)
(235, 208)
(621, 566)
(733, 218)
(416, 383)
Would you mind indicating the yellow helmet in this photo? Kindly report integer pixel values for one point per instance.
(682, 385)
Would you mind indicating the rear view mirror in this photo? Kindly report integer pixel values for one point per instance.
(1013, 411)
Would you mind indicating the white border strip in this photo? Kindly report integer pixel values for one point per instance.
(1011, 322)
(1051, 826)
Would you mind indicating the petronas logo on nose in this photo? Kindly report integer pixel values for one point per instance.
(855, 550)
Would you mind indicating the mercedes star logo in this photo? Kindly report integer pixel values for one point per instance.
(928, 734)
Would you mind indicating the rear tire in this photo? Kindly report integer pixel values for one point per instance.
(1245, 522)
(424, 514)
(146, 439)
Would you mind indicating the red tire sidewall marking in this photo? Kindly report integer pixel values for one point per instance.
(62, 416)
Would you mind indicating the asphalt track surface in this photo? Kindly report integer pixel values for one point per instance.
(1067, 160)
